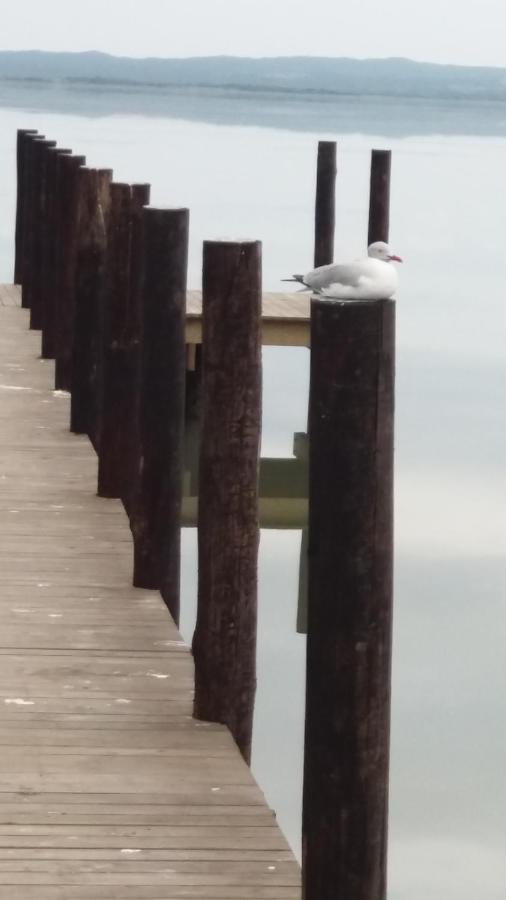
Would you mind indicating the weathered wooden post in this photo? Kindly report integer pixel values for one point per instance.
(120, 334)
(344, 832)
(32, 219)
(40, 151)
(379, 197)
(67, 224)
(156, 509)
(49, 252)
(114, 317)
(224, 643)
(28, 214)
(21, 143)
(325, 206)
(93, 191)
(140, 198)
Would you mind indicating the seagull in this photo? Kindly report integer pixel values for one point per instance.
(371, 278)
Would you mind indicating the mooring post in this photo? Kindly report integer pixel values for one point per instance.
(28, 215)
(156, 512)
(40, 148)
(67, 215)
(130, 460)
(325, 205)
(224, 643)
(31, 219)
(345, 797)
(49, 252)
(121, 340)
(21, 142)
(379, 196)
(114, 411)
(93, 189)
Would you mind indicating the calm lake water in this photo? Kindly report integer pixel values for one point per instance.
(245, 167)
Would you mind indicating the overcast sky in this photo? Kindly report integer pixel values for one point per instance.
(459, 31)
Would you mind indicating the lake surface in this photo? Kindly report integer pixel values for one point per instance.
(245, 167)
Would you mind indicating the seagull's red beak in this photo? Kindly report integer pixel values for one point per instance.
(395, 258)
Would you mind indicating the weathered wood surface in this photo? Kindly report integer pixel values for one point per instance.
(109, 790)
(285, 318)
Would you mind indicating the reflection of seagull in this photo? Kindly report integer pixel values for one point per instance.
(372, 278)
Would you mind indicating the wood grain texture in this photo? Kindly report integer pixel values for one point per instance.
(109, 790)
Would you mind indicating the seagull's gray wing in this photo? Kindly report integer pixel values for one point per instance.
(348, 274)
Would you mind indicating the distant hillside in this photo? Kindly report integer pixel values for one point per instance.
(392, 77)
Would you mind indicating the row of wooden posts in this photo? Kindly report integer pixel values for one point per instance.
(104, 277)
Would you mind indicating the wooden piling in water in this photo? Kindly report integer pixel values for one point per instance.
(325, 204)
(224, 643)
(156, 509)
(350, 600)
(21, 143)
(379, 196)
(93, 192)
(50, 253)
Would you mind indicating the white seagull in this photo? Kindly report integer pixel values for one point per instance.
(372, 278)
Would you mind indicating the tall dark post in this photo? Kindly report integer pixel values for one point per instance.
(65, 299)
(39, 237)
(350, 600)
(118, 412)
(28, 214)
(21, 143)
(325, 206)
(130, 458)
(93, 189)
(115, 316)
(224, 643)
(379, 198)
(156, 513)
(31, 218)
(50, 251)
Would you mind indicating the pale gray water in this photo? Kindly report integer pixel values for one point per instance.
(448, 807)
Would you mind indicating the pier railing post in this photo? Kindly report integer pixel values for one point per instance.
(67, 225)
(133, 338)
(379, 196)
(344, 832)
(49, 253)
(325, 205)
(224, 643)
(93, 187)
(23, 137)
(40, 150)
(156, 509)
(121, 341)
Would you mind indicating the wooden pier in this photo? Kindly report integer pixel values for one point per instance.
(108, 787)
(125, 758)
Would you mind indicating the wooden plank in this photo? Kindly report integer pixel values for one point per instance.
(99, 751)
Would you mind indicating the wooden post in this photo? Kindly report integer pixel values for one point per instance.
(224, 643)
(93, 189)
(131, 452)
(379, 199)
(350, 600)
(49, 252)
(40, 149)
(115, 315)
(325, 206)
(67, 236)
(30, 243)
(119, 370)
(28, 215)
(21, 143)
(156, 512)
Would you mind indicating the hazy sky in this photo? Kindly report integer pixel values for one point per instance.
(460, 31)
